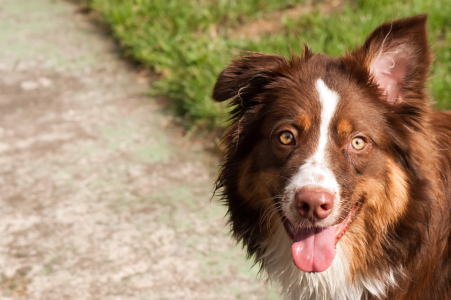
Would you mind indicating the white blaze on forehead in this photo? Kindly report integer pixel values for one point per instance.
(316, 171)
(329, 101)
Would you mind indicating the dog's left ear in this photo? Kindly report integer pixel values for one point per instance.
(398, 58)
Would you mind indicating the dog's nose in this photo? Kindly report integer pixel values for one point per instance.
(314, 204)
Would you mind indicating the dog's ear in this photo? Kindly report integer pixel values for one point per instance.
(246, 77)
(398, 58)
(244, 81)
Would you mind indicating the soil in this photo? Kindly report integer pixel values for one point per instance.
(101, 195)
(274, 21)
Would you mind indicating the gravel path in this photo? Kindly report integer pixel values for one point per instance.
(101, 197)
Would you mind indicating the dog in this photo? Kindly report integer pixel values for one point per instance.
(336, 171)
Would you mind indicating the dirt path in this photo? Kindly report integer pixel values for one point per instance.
(99, 198)
(274, 21)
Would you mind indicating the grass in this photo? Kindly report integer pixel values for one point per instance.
(187, 41)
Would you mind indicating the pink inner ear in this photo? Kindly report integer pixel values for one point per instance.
(389, 70)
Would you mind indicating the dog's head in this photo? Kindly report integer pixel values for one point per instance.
(322, 145)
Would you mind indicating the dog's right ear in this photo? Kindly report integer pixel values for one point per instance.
(246, 77)
(244, 81)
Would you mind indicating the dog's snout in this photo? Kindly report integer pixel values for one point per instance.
(314, 204)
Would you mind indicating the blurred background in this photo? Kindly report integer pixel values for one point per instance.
(108, 136)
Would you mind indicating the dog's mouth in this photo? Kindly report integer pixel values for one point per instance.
(313, 249)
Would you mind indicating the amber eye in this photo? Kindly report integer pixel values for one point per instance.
(358, 143)
(286, 138)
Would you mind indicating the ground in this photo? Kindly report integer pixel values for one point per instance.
(101, 195)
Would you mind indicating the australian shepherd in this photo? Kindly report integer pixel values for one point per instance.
(337, 171)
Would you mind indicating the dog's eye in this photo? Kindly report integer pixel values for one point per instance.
(286, 138)
(358, 143)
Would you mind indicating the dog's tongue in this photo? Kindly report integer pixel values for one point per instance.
(314, 250)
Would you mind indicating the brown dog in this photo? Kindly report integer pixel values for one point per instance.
(336, 171)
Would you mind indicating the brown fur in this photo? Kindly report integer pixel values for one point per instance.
(401, 179)
(344, 128)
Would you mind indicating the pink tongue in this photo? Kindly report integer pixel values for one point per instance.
(314, 250)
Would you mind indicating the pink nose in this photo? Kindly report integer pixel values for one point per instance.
(314, 204)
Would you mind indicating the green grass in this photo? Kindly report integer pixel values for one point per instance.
(186, 41)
